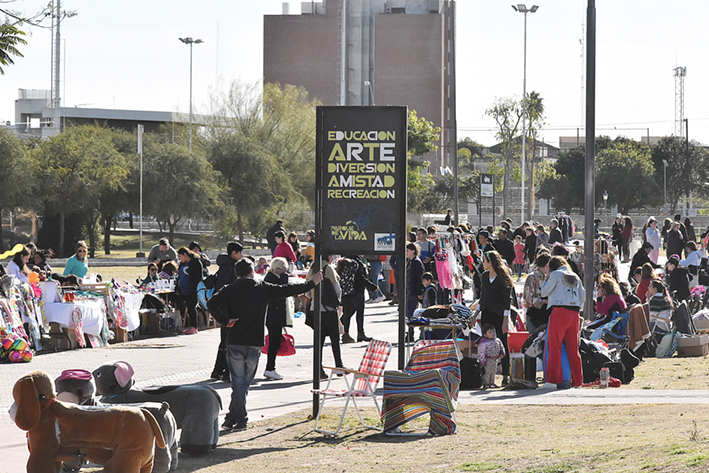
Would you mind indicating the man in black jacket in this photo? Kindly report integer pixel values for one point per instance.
(640, 258)
(241, 306)
(271, 235)
(226, 275)
(505, 247)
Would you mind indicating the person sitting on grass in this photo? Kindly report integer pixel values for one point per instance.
(490, 349)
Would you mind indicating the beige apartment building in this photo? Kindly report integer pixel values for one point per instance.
(395, 52)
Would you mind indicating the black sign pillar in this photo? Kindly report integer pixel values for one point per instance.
(361, 192)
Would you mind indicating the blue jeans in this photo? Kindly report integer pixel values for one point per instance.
(375, 271)
(243, 362)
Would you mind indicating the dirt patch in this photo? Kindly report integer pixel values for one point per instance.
(541, 439)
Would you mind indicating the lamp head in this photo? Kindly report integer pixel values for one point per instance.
(197, 41)
(367, 83)
(187, 40)
(534, 8)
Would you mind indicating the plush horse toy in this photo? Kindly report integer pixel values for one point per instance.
(121, 438)
(196, 408)
(77, 386)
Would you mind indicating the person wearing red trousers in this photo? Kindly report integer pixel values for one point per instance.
(565, 294)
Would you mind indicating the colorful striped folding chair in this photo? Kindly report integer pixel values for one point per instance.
(363, 383)
(428, 385)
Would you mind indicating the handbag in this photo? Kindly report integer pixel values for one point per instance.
(287, 347)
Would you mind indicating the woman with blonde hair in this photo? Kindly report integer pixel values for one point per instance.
(610, 298)
(275, 316)
(78, 265)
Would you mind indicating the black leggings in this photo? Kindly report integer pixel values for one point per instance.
(274, 343)
(496, 321)
(190, 301)
(350, 305)
(329, 327)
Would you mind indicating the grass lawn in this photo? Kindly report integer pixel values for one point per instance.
(537, 439)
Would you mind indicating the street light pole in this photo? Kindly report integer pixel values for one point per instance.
(664, 202)
(522, 8)
(191, 41)
(371, 92)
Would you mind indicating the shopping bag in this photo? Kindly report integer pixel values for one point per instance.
(287, 347)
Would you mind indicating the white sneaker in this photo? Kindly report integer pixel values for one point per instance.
(268, 374)
(380, 298)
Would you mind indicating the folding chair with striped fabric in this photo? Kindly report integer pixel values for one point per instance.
(363, 383)
(429, 384)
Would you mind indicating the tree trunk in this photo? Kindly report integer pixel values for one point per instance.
(240, 226)
(107, 234)
(93, 235)
(505, 188)
(2, 234)
(171, 234)
(130, 220)
(33, 231)
(61, 232)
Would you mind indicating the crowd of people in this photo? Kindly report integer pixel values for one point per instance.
(253, 297)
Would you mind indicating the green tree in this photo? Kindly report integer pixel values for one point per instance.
(72, 170)
(10, 37)
(176, 185)
(625, 171)
(564, 181)
(263, 145)
(15, 177)
(535, 122)
(508, 115)
(422, 137)
(687, 167)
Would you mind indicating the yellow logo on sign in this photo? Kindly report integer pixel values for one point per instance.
(348, 232)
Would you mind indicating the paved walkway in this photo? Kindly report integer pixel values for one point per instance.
(189, 359)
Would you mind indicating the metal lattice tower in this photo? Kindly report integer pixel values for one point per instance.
(679, 73)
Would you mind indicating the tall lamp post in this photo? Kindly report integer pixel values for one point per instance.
(605, 202)
(371, 92)
(664, 202)
(191, 41)
(522, 8)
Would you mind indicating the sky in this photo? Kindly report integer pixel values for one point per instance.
(127, 55)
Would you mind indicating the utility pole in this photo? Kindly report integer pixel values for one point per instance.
(590, 170)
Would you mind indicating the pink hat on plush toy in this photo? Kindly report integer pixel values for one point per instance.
(124, 372)
(81, 375)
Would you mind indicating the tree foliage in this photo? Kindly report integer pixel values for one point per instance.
(422, 137)
(687, 167)
(623, 169)
(15, 177)
(508, 115)
(10, 37)
(263, 146)
(73, 169)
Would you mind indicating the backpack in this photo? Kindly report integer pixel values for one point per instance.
(205, 290)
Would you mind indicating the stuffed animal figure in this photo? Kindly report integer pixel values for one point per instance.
(196, 408)
(77, 386)
(121, 438)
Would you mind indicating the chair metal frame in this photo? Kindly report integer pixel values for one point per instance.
(362, 384)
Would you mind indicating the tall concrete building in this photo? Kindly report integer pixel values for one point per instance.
(365, 52)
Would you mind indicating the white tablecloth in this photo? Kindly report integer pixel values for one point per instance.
(92, 312)
(133, 302)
